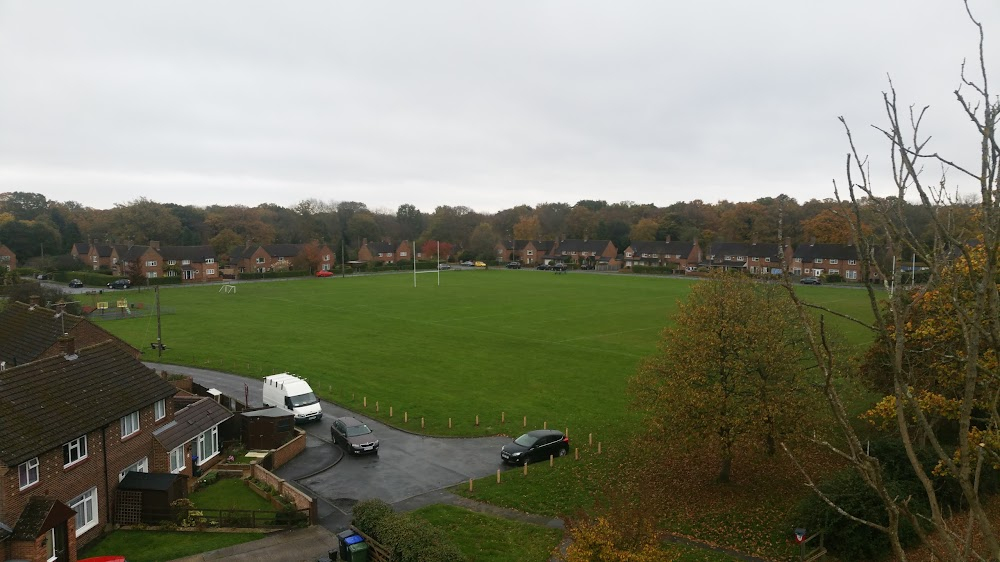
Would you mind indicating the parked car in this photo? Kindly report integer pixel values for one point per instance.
(480, 264)
(75, 283)
(543, 266)
(120, 284)
(468, 264)
(443, 266)
(586, 266)
(558, 267)
(324, 273)
(535, 446)
(354, 435)
(811, 281)
(514, 265)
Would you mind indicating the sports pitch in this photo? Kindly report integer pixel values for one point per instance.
(556, 349)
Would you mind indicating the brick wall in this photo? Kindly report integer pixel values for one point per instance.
(289, 450)
(289, 492)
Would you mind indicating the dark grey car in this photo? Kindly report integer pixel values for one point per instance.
(535, 446)
(354, 435)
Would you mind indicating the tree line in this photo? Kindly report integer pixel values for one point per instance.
(32, 225)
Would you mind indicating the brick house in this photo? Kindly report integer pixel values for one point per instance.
(191, 442)
(534, 251)
(196, 264)
(8, 261)
(99, 256)
(261, 258)
(592, 252)
(147, 258)
(753, 258)
(30, 332)
(384, 251)
(663, 253)
(827, 259)
(58, 481)
(80, 251)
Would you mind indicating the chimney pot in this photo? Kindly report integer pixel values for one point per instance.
(35, 299)
(67, 345)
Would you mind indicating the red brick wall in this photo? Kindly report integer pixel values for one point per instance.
(289, 450)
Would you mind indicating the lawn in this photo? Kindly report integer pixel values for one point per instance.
(485, 538)
(229, 493)
(555, 349)
(160, 546)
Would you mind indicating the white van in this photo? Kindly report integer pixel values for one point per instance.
(292, 393)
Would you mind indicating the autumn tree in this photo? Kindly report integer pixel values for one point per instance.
(724, 378)
(528, 228)
(309, 258)
(247, 223)
(645, 229)
(142, 220)
(960, 303)
(433, 247)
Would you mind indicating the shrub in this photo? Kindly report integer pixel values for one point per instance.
(834, 278)
(369, 513)
(411, 540)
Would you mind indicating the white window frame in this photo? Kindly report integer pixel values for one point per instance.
(171, 262)
(27, 473)
(151, 263)
(141, 465)
(207, 445)
(85, 506)
(818, 260)
(130, 424)
(151, 274)
(159, 409)
(403, 254)
(177, 459)
(260, 260)
(75, 451)
(833, 261)
(209, 272)
(209, 260)
(326, 257)
(851, 274)
(50, 546)
(185, 262)
(852, 262)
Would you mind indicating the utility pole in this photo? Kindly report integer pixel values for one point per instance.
(159, 333)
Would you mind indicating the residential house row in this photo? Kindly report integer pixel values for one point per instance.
(8, 261)
(76, 420)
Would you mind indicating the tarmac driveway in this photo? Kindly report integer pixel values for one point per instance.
(406, 466)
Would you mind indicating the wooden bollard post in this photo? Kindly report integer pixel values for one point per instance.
(406, 417)
(365, 401)
(498, 476)
(477, 420)
(421, 422)
(470, 484)
(525, 422)
(576, 453)
(502, 416)
(598, 447)
(567, 432)
(552, 460)
(449, 423)
(590, 440)
(545, 425)
(525, 468)
(390, 411)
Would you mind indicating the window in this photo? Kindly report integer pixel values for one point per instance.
(818, 260)
(171, 274)
(281, 259)
(141, 465)
(834, 261)
(403, 254)
(753, 258)
(160, 410)
(151, 274)
(798, 260)
(852, 262)
(768, 260)
(27, 473)
(177, 459)
(531, 252)
(209, 260)
(326, 257)
(208, 444)
(75, 450)
(171, 262)
(185, 262)
(833, 272)
(151, 263)
(86, 510)
(92, 259)
(260, 260)
(114, 261)
(851, 274)
(130, 424)
(209, 272)
(628, 254)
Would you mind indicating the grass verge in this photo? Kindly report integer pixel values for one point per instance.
(485, 538)
(160, 546)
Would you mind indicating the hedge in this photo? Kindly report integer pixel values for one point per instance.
(272, 274)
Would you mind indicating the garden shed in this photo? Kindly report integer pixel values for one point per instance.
(268, 428)
(146, 497)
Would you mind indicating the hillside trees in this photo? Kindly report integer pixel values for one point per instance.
(960, 302)
(142, 220)
(724, 377)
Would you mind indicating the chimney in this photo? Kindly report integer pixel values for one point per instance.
(364, 241)
(668, 239)
(812, 240)
(67, 345)
(35, 300)
(154, 244)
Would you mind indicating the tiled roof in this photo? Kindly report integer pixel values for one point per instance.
(190, 422)
(104, 250)
(26, 331)
(40, 515)
(46, 403)
(596, 246)
(382, 247)
(194, 253)
(283, 250)
(130, 253)
(661, 247)
(81, 247)
(810, 252)
(543, 245)
(722, 249)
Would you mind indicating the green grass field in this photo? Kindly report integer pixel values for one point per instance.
(556, 349)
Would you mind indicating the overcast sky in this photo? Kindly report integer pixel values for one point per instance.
(486, 105)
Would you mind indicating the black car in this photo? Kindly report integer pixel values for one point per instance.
(558, 267)
(811, 281)
(354, 435)
(120, 284)
(75, 284)
(513, 265)
(587, 266)
(543, 266)
(535, 446)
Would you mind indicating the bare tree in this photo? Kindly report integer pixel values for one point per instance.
(962, 259)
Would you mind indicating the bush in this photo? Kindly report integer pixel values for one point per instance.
(411, 540)
(369, 513)
(271, 274)
(834, 278)
(653, 270)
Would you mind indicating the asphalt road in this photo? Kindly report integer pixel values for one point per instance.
(407, 466)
